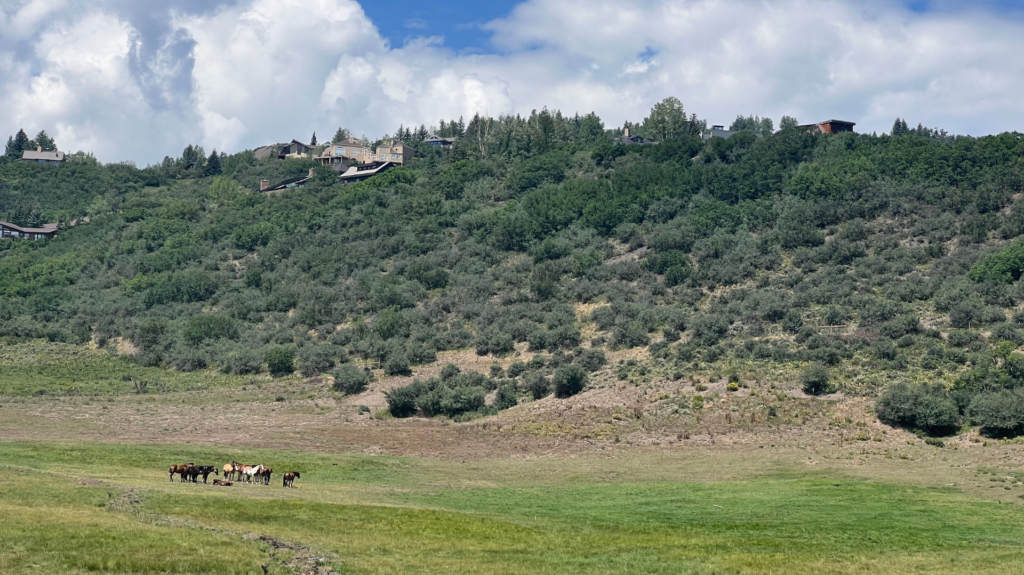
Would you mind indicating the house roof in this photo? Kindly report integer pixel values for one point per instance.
(365, 170)
(46, 229)
(436, 138)
(833, 121)
(35, 156)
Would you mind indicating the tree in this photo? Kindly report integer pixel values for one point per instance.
(213, 167)
(788, 123)
(900, 127)
(312, 141)
(753, 124)
(20, 144)
(9, 149)
(44, 141)
(667, 120)
(341, 135)
(280, 361)
(816, 380)
(569, 380)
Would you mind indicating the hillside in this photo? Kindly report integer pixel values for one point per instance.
(848, 263)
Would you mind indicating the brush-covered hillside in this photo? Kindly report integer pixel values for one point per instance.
(856, 262)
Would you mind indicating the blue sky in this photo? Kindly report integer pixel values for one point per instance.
(458, 21)
(141, 79)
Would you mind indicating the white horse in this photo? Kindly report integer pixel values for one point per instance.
(253, 472)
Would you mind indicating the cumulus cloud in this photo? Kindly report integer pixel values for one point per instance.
(134, 79)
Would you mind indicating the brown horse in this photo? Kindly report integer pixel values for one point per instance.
(206, 470)
(265, 475)
(182, 470)
(222, 483)
(290, 477)
(232, 470)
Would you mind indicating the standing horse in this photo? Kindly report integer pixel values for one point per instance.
(253, 472)
(290, 477)
(265, 475)
(206, 470)
(182, 470)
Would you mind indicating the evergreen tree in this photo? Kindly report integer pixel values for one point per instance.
(44, 141)
(20, 143)
(213, 167)
(312, 141)
(788, 123)
(9, 149)
(899, 127)
(341, 135)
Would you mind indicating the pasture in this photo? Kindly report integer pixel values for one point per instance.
(76, 507)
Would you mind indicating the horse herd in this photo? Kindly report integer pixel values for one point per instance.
(233, 471)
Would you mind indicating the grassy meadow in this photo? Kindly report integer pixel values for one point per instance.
(109, 508)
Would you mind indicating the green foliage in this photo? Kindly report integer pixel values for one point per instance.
(1000, 413)
(538, 385)
(350, 380)
(569, 380)
(1005, 266)
(315, 359)
(280, 361)
(203, 327)
(924, 408)
(817, 380)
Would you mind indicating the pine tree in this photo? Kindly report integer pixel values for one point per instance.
(900, 127)
(9, 149)
(213, 167)
(341, 135)
(45, 141)
(20, 143)
(312, 141)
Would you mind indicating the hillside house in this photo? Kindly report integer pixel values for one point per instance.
(293, 149)
(342, 155)
(287, 184)
(364, 171)
(439, 142)
(719, 131)
(630, 139)
(39, 156)
(830, 127)
(9, 230)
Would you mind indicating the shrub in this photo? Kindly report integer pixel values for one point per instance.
(203, 327)
(516, 368)
(816, 380)
(397, 364)
(1000, 414)
(792, 322)
(402, 400)
(506, 397)
(449, 371)
(243, 362)
(569, 380)
(633, 334)
(1004, 267)
(962, 337)
(280, 361)
(452, 401)
(350, 380)
(537, 385)
(315, 359)
(923, 408)
(591, 359)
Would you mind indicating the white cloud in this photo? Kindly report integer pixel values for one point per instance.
(248, 72)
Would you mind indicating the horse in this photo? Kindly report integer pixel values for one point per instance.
(265, 475)
(229, 471)
(222, 483)
(181, 470)
(252, 472)
(290, 477)
(206, 470)
(235, 468)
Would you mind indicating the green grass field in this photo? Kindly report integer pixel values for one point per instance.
(64, 511)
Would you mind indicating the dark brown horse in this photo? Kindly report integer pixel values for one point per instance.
(265, 475)
(290, 477)
(206, 470)
(222, 483)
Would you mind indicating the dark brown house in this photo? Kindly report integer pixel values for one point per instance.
(293, 149)
(9, 230)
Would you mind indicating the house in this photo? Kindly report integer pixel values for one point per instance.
(364, 171)
(830, 127)
(293, 149)
(439, 142)
(287, 184)
(342, 155)
(719, 131)
(40, 157)
(629, 139)
(48, 231)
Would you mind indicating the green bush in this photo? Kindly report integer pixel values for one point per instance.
(350, 380)
(315, 359)
(569, 380)
(402, 400)
(816, 380)
(243, 362)
(923, 408)
(280, 361)
(397, 364)
(538, 385)
(1000, 414)
(591, 359)
(1005, 266)
(506, 397)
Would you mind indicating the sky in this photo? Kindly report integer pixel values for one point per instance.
(138, 80)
